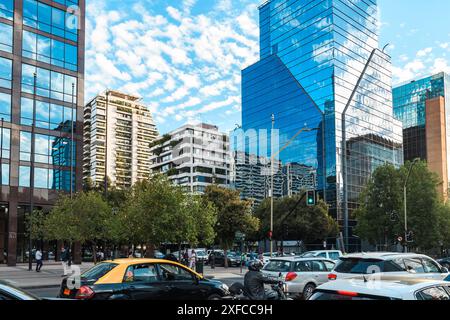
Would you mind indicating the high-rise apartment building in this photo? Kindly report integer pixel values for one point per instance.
(118, 130)
(193, 156)
(423, 106)
(41, 104)
(320, 69)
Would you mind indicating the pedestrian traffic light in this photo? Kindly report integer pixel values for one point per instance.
(311, 198)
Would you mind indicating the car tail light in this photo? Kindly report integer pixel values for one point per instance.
(348, 293)
(84, 293)
(291, 276)
(332, 276)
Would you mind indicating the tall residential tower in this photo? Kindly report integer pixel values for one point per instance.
(321, 69)
(41, 111)
(118, 130)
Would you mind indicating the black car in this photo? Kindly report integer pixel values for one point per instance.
(219, 259)
(11, 293)
(143, 279)
(445, 262)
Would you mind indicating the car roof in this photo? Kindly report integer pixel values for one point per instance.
(136, 260)
(382, 255)
(386, 286)
(292, 259)
(318, 251)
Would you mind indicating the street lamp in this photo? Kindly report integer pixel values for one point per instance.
(272, 160)
(404, 201)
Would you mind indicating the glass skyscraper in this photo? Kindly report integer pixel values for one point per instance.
(423, 106)
(320, 68)
(41, 111)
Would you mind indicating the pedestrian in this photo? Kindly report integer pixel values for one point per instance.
(186, 257)
(38, 257)
(130, 254)
(65, 260)
(192, 260)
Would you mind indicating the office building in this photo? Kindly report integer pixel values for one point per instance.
(321, 71)
(423, 106)
(41, 104)
(118, 130)
(193, 156)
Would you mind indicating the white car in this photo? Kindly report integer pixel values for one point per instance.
(416, 265)
(301, 275)
(385, 288)
(327, 254)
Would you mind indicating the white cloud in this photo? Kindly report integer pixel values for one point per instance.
(424, 52)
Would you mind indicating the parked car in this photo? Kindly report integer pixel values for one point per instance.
(143, 279)
(327, 254)
(219, 259)
(201, 254)
(302, 275)
(386, 288)
(10, 292)
(445, 262)
(417, 265)
(267, 256)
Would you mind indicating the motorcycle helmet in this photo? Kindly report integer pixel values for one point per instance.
(255, 266)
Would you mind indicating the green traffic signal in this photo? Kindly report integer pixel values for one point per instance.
(311, 198)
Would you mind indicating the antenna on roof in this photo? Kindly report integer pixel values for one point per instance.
(365, 279)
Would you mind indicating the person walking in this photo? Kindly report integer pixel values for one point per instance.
(38, 257)
(193, 260)
(65, 260)
(186, 258)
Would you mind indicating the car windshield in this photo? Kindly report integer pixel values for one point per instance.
(18, 292)
(98, 271)
(201, 253)
(366, 266)
(278, 266)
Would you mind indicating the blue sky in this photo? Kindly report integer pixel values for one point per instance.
(184, 57)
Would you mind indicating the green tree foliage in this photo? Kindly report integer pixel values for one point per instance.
(310, 224)
(381, 214)
(34, 225)
(233, 215)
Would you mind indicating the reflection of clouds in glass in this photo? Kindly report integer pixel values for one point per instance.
(41, 178)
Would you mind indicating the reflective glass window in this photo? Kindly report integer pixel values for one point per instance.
(5, 106)
(5, 137)
(5, 73)
(24, 176)
(7, 9)
(6, 38)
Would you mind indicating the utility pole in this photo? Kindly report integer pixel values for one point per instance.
(73, 122)
(405, 199)
(30, 240)
(271, 184)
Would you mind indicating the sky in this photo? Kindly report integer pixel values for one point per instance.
(184, 57)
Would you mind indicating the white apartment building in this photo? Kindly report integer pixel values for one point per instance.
(193, 156)
(118, 130)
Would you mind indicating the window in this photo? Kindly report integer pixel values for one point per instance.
(430, 266)
(48, 116)
(5, 106)
(414, 265)
(141, 273)
(171, 272)
(278, 266)
(329, 265)
(303, 266)
(49, 51)
(49, 84)
(5, 137)
(6, 38)
(98, 271)
(318, 266)
(435, 293)
(5, 73)
(334, 255)
(48, 19)
(7, 9)
(24, 177)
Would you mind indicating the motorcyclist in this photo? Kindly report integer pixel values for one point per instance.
(255, 280)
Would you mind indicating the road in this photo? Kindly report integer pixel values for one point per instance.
(53, 292)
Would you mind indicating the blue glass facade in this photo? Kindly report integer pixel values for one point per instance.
(410, 101)
(320, 68)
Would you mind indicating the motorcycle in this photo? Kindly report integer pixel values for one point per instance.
(238, 293)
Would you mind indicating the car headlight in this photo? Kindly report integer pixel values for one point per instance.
(224, 287)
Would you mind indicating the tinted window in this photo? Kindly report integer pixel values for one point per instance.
(334, 256)
(302, 266)
(366, 266)
(329, 265)
(318, 266)
(436, 293)
(98, 271)
(170, 272)
(278, 266)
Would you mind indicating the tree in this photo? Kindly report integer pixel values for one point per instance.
(233, 215)
(84, 219)
(34, 225)
(380, 215)
(309, 224)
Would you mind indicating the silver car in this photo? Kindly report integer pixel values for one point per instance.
(301, 275)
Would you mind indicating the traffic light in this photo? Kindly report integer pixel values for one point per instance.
(311, 198)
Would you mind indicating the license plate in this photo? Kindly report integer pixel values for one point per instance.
(67, 292)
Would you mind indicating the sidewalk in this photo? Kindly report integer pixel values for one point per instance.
(51, 274)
